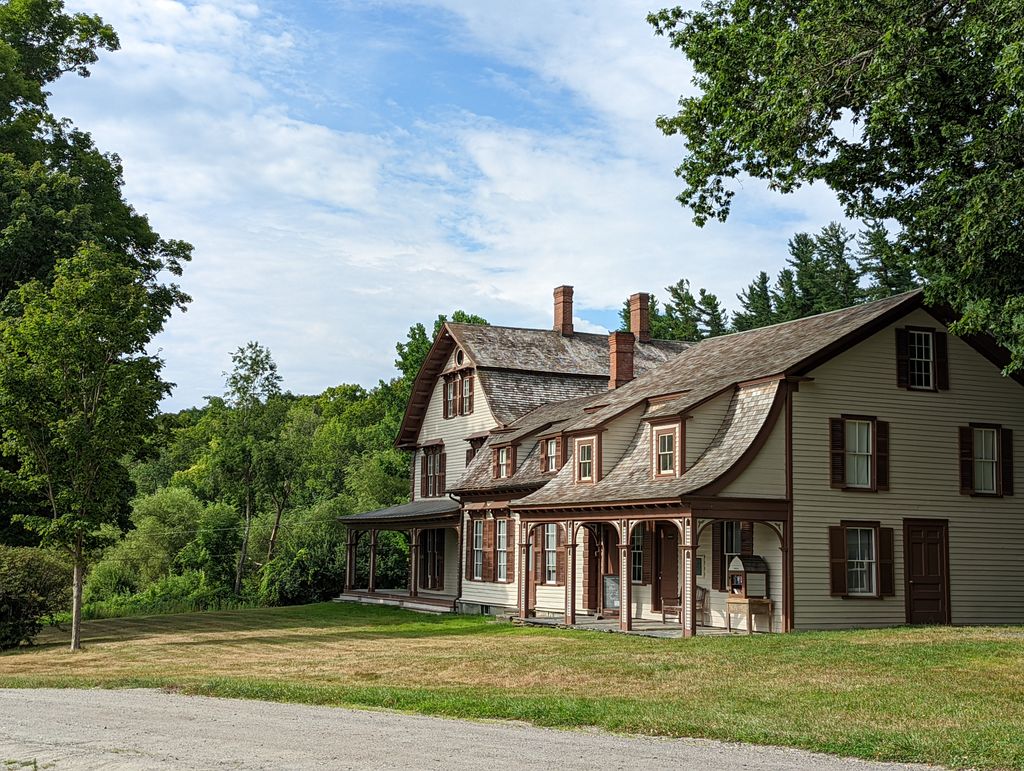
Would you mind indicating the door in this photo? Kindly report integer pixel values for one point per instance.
(668, 561)
(926, 570)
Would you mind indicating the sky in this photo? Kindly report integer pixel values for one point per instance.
(345, 170)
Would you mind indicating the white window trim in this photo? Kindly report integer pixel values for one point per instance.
(636, 555)
(993, 462)
(478, 549)
(930, 336)
(466, 395)
(591, 442)
(501, 545)
(850, 453)
(551, 451)
(868, 566)
(550, 554)
(504, 462)
(656, 433)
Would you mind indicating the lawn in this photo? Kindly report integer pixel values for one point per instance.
(952, 696)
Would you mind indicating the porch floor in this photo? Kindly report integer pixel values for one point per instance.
(399, 598)
(642, 627)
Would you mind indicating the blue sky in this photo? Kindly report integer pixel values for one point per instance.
(346, 169)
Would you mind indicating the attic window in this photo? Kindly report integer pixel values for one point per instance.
(585, 461)
(460, 358)
(504, 460)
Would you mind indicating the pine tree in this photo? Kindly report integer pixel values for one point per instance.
(836, 277)
(681, 314)
(884, 263)
(713, 319)
(755, 305)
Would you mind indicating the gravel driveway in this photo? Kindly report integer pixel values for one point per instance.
(74, 729)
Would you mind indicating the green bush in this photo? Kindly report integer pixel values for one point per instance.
(184, 593)
(309, 563)
(34, 584)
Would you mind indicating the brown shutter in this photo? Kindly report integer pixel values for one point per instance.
(881, 455)
(440, 536)
(648, 549)
(412, 478)
(469, 549)
(837, 560)
(538, 554)
(489, 558)
(441, 484)
(837, 452)
(444, 399)
(423, 473)
(559, 452)
(470, 454)
(902, 359)
(494, 462)
(560, 556)
(717, 556)
(589, 588)
(472, 394)
(1006, 460)
(941, 361)
(512, 465)
(746, 538)
(886, 563)
(543, 455)
(966, 460)
(510, 562)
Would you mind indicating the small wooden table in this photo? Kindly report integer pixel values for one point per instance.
(752, 606)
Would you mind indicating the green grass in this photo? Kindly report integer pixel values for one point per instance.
(952, 696)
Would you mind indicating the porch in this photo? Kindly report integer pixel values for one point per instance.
(641, 627)
(399, 598)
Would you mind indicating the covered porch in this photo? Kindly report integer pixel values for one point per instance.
(432, 581)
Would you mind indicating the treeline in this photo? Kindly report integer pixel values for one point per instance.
(827, 271)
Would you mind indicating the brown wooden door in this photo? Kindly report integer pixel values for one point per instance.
(926, 569)
(668, 561)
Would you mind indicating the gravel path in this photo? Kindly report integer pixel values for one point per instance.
(137, 729)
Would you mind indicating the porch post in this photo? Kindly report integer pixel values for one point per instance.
(524, 570)
(570, 577)
(372, 587)
(350, 560)
(689, 590)
(625, 579)
(414, 561)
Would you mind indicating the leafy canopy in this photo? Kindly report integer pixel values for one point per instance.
(908, 109)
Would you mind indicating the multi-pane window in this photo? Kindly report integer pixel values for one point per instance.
(467, 395)
(666, 453)
(861, 561)
(858, 453)
(501, 544)
(550, 554)
(985, 460)
(504, 462)
(551, 456)
(451, 391)
(732, 546)
(585, 462)
(921, 359)
(433, 472)
(636, 553)
(478, 549)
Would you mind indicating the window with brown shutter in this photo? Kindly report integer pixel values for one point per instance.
(861, 560)
(648, 554)
(559, 556)
(746, 538)
(859, 451)
(511, 551)
(986, 460)
(432, 559)
(468, 537)
(717, 556)
(423, 474)
(442, 463)
(432, 472)
(489, 562)
(902, 359)
(922, 359)
(466, 389)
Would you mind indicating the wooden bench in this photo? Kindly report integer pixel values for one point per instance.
(673, 606)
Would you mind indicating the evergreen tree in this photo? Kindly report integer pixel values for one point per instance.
(884, 263)
(755, 305)
(713, 319)
(789, 303)
(837, 279)
(681, 315)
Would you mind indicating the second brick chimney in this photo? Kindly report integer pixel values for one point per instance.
(620, 353)
(563, 310)
(640, 316)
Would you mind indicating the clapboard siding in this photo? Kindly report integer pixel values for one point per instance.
(618, 438)
(767, 545)
(765, 477)
(453, 432)
(495, 594)
(451, 566)
(704, 424)
(986, 535)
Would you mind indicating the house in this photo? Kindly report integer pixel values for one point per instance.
(849, 469)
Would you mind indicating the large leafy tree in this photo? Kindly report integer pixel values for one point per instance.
(908, 109)
(78, 393)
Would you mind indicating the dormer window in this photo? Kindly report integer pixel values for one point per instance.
(504, 462)
(585, 461)
(551, 457)
(666, 449)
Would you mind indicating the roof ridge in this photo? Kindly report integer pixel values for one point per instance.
(463, 325)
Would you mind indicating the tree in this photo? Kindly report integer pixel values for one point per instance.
(713, 319)
(884, 263)
(909, 111)
(244, 427)
(681, 314)
(413, 352)
(78, 393)
(756, 308)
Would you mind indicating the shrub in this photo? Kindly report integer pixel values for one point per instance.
(34, 584)
(184, 593)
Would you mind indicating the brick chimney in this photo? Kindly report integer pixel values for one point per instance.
(563, 310)
(620, 353)
(640, 316)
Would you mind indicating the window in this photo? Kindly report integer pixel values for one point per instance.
(858, 453)
(861, 562)
(451, 403)
(636, 553)
(985, 461)
(732, 546)
(551, 554)
(474, 445)
(504, 462)
(551, 455)
(432, 559)
(585, 462)
(699, 567)
(478, 549)
(501, 544)
(666, 451)
(467, 395)
(432, 472)
(921, 359)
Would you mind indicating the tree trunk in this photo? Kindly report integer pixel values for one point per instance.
(273, 532)
(245, 546)
(76, 598)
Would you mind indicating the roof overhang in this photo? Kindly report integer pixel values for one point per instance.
(425, 512)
